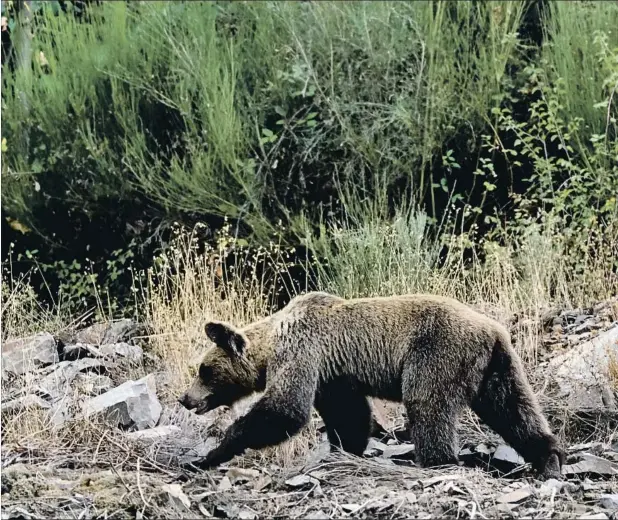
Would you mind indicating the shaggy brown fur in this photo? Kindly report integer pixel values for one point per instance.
(225, 377)
(434, 354)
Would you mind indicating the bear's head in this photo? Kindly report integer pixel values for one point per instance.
(228, 371)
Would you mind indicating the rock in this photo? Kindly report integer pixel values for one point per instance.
(238, 475)
(499, 510)
(593, 516)
(134, 403)
(156, 433)
(375, 447)
(581, 373)
(591, 464)
(132, 353)
(609, 501)
(93, 384)
(184, 449)
(107, 333)
(318, 515)
(593, 447)
(60, 413)
(550, 486)
(262, 483)
(438, 479)
(451, 489)
(79, 351)
(24, 402)
(120, 331)
(515, 497)
(92, 335)
(177, 497)
(484, 449)
(225, 484)
(507, 454)
(301, 481)
(22, 355)
(401, 451)
(57, 383)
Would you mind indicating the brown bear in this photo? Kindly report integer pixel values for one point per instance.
(434, 354)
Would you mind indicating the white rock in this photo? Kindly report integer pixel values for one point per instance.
(93, 384)
(609, 501)
(591, 464)
(132, 403)
(57, 383)
(581, 373)
(24, 402)
(514, 497)
(156, 433)
(177, 497)
(508, 454)
(22, 355)
(131, 352)
(550, 487)
(300, 481)
(398, 451)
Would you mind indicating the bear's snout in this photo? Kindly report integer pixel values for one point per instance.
(186, 401)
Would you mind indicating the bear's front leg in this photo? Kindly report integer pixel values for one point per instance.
(272, 420)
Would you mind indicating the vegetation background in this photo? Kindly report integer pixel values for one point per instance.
(183, 159)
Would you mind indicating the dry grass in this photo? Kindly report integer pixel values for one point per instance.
(186, 287)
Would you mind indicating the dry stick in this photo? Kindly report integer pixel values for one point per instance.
(139, 486)
(96, 452)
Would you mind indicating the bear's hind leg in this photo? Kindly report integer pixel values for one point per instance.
(507, 404)
(346, 414)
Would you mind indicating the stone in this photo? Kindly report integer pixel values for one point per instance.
(581, 373)
(375, 447)
(515, 497)
(120, 331)
(507, 454)
(609, 501)
(60, 413)
(93, 384)
(398, 451)
(240, 475)
(156, 433)
(24, 402)
(92, 335)
(429, 482)
(22, 355)
(132, 404)
(589, 463)
(132, 353)
(177, 497)
(57, 383)
(225, 484)
(550, 486)
(301, 481)
(79, 351)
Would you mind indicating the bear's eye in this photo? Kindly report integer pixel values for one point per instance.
(205, 373)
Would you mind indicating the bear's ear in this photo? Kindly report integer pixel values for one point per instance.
(226, 337)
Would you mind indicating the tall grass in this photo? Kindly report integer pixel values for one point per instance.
(580, 36)
(178, 101)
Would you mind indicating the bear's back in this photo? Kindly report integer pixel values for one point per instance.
(370, 339)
